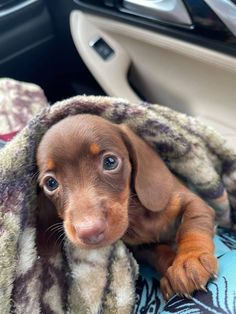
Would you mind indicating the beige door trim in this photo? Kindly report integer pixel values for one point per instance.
(112, 73)
(181, 47)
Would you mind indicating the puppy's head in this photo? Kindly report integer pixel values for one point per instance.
(85, 165)
(84, 170)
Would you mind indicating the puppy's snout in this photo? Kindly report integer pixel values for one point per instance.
(91, 232)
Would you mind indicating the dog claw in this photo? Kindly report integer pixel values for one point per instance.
(203, 288)
(214, 275)
(187, 296)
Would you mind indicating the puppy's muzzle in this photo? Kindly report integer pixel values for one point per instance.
(91, 232)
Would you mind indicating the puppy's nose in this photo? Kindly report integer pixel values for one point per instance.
(91, 232)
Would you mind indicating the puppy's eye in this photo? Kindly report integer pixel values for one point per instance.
(110, 162)
(51, 184)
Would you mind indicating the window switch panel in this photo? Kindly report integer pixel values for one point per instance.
(102, 48)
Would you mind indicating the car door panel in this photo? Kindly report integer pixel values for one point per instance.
(163, 69)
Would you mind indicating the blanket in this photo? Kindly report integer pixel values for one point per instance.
(102, 280)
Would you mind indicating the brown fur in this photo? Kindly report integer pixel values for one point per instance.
(140, 201)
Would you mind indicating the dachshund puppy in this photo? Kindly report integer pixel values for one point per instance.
(105, 183)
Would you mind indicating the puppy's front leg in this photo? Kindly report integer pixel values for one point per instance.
(159, 256)
(195, 262)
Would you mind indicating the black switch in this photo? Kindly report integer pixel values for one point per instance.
(102, 48)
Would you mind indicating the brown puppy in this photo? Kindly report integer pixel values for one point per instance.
(108, 184)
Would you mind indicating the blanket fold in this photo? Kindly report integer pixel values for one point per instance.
(102, 280)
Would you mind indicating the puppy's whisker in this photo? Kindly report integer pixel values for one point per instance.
(132, 206)
(28, 166)
(34, 176)
(54, 225)
(52, 232)
(131, 197)
(60, 238)
(114, 188)
(55, 229)
(57, 223)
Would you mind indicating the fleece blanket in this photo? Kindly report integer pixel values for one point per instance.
(19, 102)
(103, 280)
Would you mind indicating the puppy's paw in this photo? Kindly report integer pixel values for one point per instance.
(189, 272)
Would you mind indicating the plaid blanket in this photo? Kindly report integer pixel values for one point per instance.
(102, 280)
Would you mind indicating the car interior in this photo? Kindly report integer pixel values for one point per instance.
(180, 54)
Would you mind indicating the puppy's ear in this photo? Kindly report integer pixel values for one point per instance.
(153, 181)
(47, 239)
(47, 214)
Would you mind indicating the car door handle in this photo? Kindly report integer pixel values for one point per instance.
(12, 6)
(171, 11)
(226, 10)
